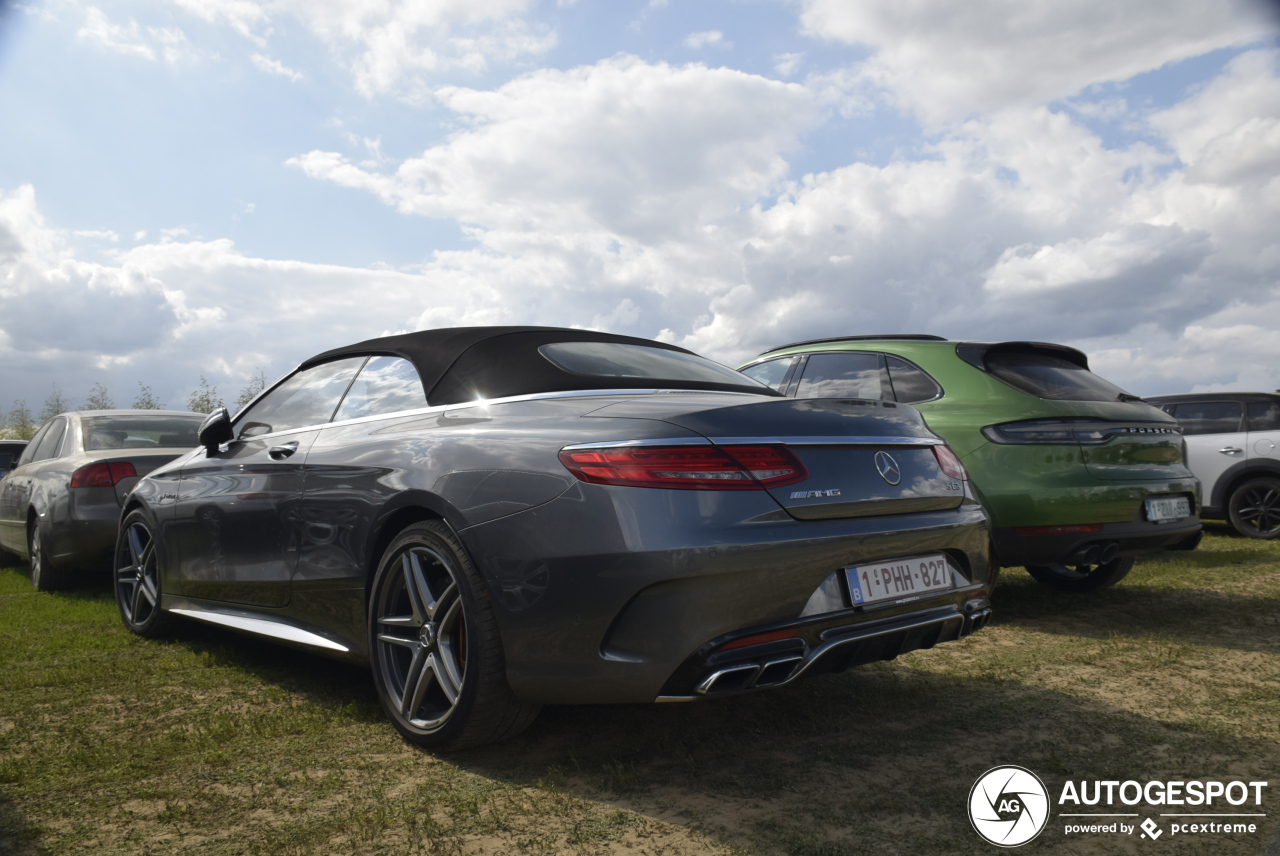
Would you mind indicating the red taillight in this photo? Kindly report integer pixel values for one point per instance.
(949, 462)
(686, 467)
(759, 639)
(1058, 530)
(102, 474)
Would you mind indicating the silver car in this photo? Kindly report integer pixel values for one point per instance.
(60, 506)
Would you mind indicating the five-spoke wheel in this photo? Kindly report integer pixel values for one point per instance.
(1254, 508)
(1082, 578)
(437, 657)
(137, 576)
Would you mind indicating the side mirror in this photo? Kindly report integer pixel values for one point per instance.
(216, 430)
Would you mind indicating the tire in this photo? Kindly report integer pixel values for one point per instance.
(434, 646)
(1254, 508)
(1082, 578)
(45, 576)
(136, 574)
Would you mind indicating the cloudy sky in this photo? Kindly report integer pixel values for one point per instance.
(221, 186)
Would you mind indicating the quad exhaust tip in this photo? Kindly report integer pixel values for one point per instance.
(1097, 553)
(749, 676)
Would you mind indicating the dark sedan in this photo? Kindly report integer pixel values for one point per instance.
(10, 451)
(60, 506)
(497, 518)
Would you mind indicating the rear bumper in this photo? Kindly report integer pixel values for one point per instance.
(604, 593)
(81, 533)
(1134, 538)
(830, 644)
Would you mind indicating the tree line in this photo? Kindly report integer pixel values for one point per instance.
(19, 423)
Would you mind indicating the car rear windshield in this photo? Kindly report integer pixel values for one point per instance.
(141, 432)
(613, 359)
(1046, 376)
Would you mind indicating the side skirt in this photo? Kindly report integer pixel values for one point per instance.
(290, 632)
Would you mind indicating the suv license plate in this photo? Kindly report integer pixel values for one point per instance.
(1164, 510)
(898, 578)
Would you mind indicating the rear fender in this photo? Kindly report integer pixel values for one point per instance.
(1236, 475)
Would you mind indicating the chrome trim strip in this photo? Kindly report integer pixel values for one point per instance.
(665, 441)
(263, 627)
(668, 699)
(831, 441)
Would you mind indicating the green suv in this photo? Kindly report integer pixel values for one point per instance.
(1079, 476)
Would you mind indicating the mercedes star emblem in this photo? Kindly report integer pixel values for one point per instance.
(887, 467)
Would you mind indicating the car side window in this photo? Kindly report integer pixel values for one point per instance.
(309, 397)
(384, 385)
(48, 445)
(911, 384)
(1209, 417)
(29, 453)
(845, 375)
(771, 373)
(1264, 416)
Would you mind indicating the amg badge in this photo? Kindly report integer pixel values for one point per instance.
(814, 494)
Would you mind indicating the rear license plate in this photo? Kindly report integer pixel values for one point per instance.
(898, 578)
(1164, 510)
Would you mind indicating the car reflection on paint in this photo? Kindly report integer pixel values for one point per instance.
(498, 518)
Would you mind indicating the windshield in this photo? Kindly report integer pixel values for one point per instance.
(1050, 377)
(613, 359)
(141, 432)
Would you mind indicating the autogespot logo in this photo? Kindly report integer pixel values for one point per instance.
(1008, 806)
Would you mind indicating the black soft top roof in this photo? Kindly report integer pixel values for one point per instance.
(459, 364)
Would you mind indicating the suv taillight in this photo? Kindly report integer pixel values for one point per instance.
(1087, 432)
(687, 467)
(102, 474)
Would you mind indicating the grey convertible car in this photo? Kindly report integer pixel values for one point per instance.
(494, 518)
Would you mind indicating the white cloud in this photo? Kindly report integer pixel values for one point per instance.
(707, 38)
(166, 312)
(100, 234)
(394, 47)
(658, 200)
(1022, 224)
(634, 149)
(274, 66)
(787, 64)
(150, 43)
(948, 60)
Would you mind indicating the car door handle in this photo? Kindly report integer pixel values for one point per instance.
(1226, 450)
(284, 450)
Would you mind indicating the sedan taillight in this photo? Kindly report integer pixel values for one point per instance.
(949, 463)
(687, 467)
(102, 474)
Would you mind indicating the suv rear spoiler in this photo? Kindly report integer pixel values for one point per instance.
(975, 353)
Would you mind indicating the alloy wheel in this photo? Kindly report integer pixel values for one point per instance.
(137, 581)
(1255, 508)
(421, 635)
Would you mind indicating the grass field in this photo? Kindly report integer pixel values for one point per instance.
(213, 743)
